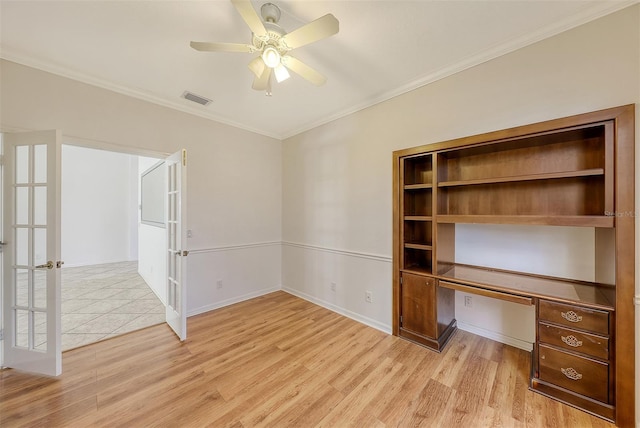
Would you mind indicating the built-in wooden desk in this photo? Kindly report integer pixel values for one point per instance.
(573, 172)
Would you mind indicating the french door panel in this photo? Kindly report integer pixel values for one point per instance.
(31, 252)
(176, 220)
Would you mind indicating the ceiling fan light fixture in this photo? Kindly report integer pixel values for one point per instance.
(271, 57)
(281, 73)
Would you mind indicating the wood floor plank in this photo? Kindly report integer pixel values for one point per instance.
(280, 361)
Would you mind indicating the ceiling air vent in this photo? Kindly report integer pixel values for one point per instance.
(196, 98)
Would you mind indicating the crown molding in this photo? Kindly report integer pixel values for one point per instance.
(49, 67)
(598, 11)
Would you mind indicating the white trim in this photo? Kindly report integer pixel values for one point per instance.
(498, 337)
(337, 309)
(234, 247)
(636, 300)
(369, 256)
(598, 11)
(233, 300)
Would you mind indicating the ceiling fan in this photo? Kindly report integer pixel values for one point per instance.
(273, 44)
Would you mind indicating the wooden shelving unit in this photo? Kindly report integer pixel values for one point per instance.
(576, 171)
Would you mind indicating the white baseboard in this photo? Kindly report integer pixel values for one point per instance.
(233, 300)
(498, 337)
(347, 313)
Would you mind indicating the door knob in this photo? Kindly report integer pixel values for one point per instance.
(48, 265)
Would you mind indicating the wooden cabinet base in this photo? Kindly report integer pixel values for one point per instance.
(594, 407)
(435, 344)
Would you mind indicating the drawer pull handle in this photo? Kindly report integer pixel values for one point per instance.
(571, 373)
(571, 316)
(572, 341)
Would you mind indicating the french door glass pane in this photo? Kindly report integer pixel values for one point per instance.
(22, 328)
(40, 205)
(40, 288)
(40, 328)
(22, 205)
(22, 246)
(22, 164)
(40, 163)
(22, 287)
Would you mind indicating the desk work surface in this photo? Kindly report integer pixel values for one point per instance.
(570, 291)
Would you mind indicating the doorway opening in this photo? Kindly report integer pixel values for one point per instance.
(113, 277)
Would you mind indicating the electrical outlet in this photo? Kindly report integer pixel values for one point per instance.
(189, 233)
(219, 284)
(468, 301)
(368, 296)
(333, 286)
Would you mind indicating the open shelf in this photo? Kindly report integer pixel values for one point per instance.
(418, 202)
(563, 151)
(418, 170)
(418, 233)
(418, 260)
(569, 196)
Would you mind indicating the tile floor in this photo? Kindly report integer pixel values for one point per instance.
(102, 301)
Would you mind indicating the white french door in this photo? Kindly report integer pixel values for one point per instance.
(176, 202)
(31, 252)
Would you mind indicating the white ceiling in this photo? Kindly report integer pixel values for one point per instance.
(384, 48)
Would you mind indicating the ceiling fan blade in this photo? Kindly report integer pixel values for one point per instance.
(262, 83)
(222, 47)
(303, 70)
(257, 66)
(315, 30)
(250, 16)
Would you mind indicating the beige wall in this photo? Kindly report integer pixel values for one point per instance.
(234, 176)
(337, 178)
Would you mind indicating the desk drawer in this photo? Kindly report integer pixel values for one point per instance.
(581, 375)
(574, 316)
(573, 340)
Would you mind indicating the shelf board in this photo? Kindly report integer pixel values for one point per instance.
(417, 269)
(418, 218)
(528, 177)
(418, 186)
(548, 220)
(418, 246)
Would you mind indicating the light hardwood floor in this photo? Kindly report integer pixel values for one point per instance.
(281, 361)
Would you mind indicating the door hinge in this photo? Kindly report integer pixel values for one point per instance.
(400, 319)
(184, 157)
(1, 333)
(400, 280)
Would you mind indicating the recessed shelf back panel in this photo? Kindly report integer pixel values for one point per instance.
(418, 202)
(580, 196)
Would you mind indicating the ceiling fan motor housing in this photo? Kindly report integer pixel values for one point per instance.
(270, 13)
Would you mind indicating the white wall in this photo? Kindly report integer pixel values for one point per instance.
(337, 178)
(152, 243)
(98, 219)
(234, 176)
